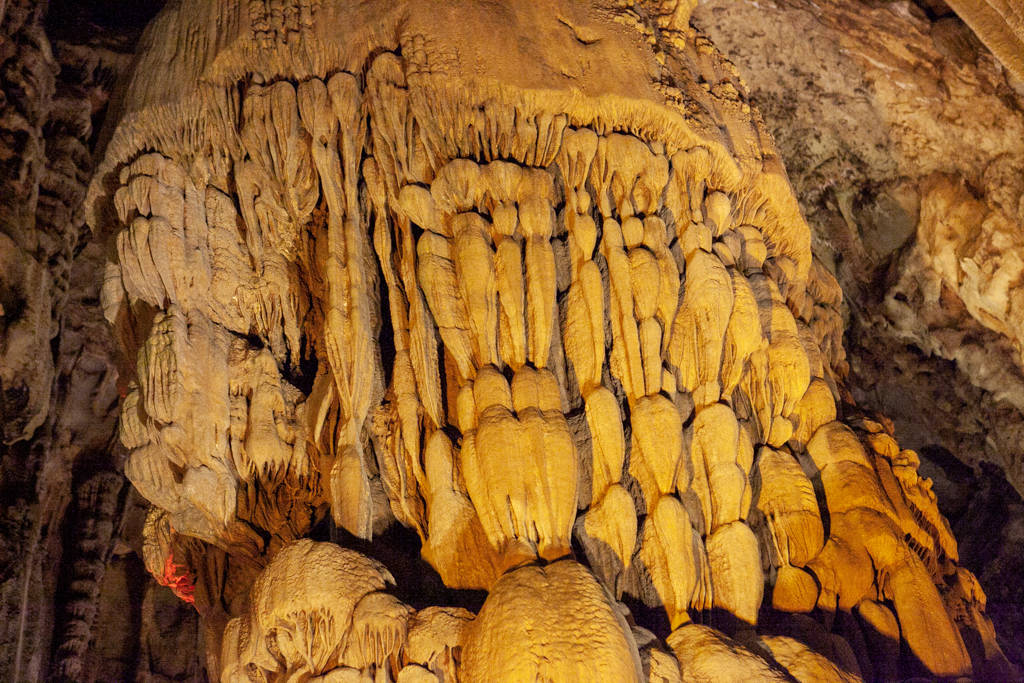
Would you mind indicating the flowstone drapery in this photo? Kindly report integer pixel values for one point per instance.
(530, 281)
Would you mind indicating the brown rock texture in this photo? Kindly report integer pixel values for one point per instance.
(65, 502)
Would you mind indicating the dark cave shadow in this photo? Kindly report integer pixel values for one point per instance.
(398, 549)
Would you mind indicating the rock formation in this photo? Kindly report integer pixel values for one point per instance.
(544, 298)
(885, 112)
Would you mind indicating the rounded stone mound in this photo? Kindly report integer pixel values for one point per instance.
(551, 623)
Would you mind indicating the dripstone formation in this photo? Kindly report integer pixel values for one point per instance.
(528, 281)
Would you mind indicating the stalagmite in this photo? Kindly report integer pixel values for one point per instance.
(434, 638)
(662, 667)
(306, 598)
(549, 623)
(416, 674)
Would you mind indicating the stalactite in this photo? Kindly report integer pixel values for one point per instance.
(96, 513)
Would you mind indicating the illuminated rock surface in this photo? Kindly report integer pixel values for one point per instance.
(487, 343)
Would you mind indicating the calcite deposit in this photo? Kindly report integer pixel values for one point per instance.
(518, 296)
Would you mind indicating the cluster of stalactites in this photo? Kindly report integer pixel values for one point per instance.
(595, 335)
(320, 610)
(223, 298)
(605, 310)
